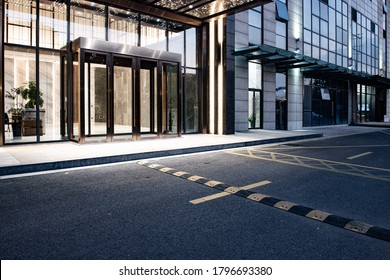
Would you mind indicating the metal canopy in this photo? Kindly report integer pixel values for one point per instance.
(284, 60)
(191, 12)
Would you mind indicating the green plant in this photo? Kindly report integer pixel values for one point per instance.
(17, 110)
(24, 97)
(29, 93)
(252, 118)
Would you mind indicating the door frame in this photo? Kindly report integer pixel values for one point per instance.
(81, 46)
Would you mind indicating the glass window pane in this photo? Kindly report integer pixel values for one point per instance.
(254, 35)
(153, 33)
(254, 74)
(191, 50)
(87, 20)
(254, 18)
(20, 22)
(49, 84)
(123, 27)
(324, 11)
(316, 24)
(307, 14)
(281, 9)
(19, 74)
(316, 7)
(53, 24)
(191, 101)
(324, 28)
(176, 43)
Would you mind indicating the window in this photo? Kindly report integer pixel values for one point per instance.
(281, 9)
(354, 15)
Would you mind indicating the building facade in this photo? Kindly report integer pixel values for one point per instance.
(310, 63)
(77, 70)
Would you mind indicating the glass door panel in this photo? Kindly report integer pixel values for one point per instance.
(255, 108)
(148, 97)
(123, 91)
(170, 99)
(95, 94)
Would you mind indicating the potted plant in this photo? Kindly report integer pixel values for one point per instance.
(252, 121)
(16, 111)
(26, 97)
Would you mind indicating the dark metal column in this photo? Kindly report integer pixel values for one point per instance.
(2, 120)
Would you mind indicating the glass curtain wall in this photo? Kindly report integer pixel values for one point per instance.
(255, 26)
(22, 56)
(365, 103)
(325, 102)
(20, 69)
(325, 32)
(365, 44)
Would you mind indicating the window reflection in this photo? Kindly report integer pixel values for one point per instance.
(20, 22)
(87, 20)
(123, 27)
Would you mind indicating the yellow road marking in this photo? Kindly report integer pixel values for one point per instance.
(385, 132)
(324, 147)
(360, 170)
(223, 194)
(360, 155)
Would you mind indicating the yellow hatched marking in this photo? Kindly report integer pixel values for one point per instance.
(385, 132)
(353, 169)
(360, 155)
(324, 147)
(225, 193)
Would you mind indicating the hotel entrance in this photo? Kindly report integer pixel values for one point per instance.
(120, 92)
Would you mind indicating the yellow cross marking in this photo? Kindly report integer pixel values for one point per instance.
(223, 194)
(359, 155)
(329, 165)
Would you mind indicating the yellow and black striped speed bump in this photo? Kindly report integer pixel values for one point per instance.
(318, 215)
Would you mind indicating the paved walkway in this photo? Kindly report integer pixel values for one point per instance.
(16, 159)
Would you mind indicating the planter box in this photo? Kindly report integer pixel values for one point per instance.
(29, 127)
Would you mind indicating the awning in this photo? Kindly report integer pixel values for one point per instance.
(191, 12)
(284, 60)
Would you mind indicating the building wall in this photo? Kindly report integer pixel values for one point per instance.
(241, 73)
(343, 53)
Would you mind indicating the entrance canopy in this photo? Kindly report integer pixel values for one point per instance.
(311, 67)
(192, 12)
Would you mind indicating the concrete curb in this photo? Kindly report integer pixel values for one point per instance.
(56, 165)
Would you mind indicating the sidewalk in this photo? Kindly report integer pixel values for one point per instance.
(17, 159)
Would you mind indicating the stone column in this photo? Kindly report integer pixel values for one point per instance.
(295, 99)
(241, 73)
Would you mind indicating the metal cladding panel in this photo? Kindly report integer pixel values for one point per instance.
(116, 48)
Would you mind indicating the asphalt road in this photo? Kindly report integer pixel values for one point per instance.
(131, 211)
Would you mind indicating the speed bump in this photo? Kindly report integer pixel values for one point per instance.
(314, 214)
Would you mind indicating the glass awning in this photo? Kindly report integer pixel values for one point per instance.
(192, 12)
(284, 60)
